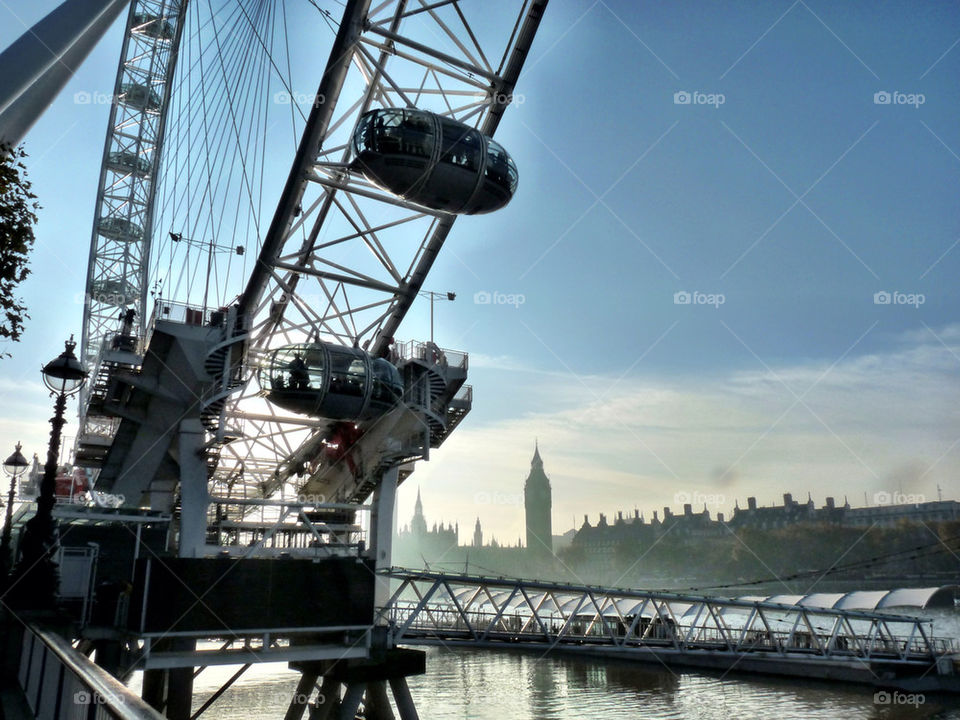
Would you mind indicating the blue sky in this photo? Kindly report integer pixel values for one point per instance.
(796, 199)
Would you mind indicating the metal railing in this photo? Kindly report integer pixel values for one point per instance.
(180, 312)
(60, 682)
(417, 350)
(304, 526)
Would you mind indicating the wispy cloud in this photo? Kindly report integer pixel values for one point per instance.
(879, 421)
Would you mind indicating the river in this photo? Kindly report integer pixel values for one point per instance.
(462, 684)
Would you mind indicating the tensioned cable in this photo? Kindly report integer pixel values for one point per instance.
(227, 177)
(179, 166)
(214, 160)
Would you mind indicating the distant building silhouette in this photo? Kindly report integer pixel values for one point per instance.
(416, 541)
(477, 535)
(598, 541)
(418, 525)
(538, 503)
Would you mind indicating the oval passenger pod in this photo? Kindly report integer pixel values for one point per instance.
(433, 161)
(330, 381)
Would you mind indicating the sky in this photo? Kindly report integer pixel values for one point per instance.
(727, 272)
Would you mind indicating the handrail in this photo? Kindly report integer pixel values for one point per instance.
(52, 671)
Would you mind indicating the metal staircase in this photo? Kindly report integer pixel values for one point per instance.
(119, 355)
(223, 365)
(434, 387)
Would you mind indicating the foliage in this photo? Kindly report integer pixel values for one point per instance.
(18, 208)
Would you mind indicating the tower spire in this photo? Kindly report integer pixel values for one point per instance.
(537, 508)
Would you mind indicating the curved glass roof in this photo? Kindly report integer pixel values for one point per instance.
(565, 603)
(868, 599)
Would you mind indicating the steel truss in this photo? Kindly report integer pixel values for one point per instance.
(343, 260)
(449, 609)
(122, 223)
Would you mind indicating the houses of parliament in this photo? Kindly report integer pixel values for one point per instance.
(438, 546)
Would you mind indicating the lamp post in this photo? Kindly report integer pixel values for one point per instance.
(35, 579)
(14, 466)
(451, 296)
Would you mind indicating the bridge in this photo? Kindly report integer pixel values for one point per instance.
(673, 629)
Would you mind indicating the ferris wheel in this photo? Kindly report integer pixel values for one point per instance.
(310, 386)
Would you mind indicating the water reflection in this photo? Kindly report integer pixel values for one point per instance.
(477, 685)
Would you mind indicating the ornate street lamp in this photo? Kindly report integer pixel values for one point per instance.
(14, 466)
(36, 579)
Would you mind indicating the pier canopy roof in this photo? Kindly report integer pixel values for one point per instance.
(928, 597)
(562, 602)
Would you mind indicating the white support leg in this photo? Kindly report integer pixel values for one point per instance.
(194, 497)
(381, 530)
